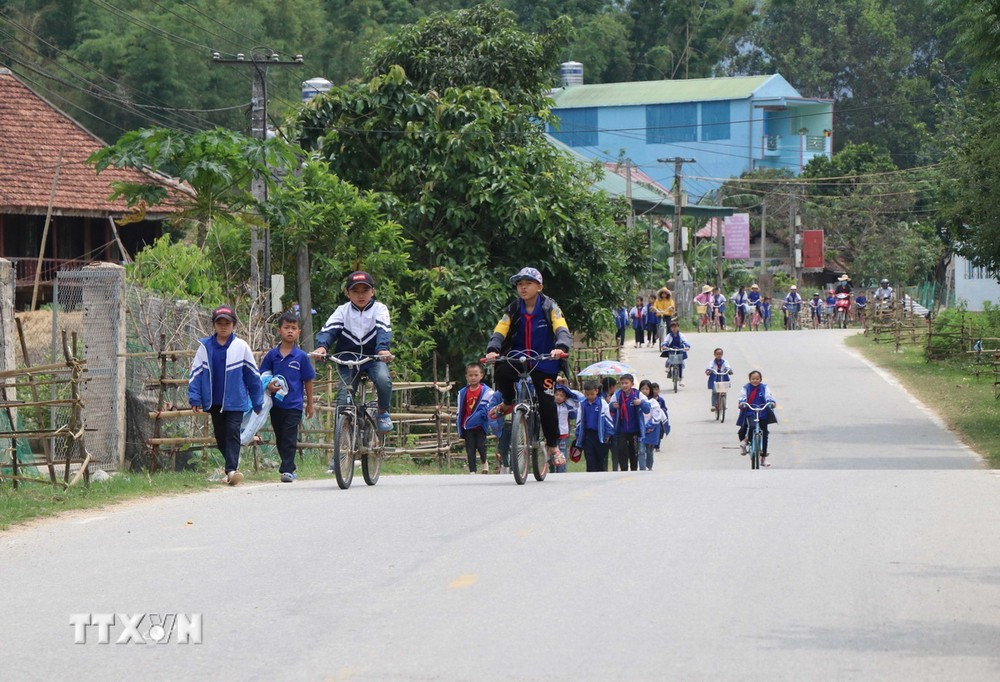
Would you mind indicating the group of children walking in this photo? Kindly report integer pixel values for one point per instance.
(645, 318)
(608, 421)
(612, 420)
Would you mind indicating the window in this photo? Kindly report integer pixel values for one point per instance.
(715, 120)
(577, 127)
(667, 123)
(978, 272)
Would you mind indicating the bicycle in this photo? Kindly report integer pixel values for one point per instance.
(792, 309)
(675, 358)
(719, 390)
(717, 321)
(757, 435)
(756, 320)
(525, 428)
(355, 428)
(702, 311)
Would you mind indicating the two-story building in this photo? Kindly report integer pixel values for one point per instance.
(727, 125)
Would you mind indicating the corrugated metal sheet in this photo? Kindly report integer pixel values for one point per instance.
(657, 92)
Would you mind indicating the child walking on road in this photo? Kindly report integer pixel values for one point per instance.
(471, 415)
(224, 379)
(291, 363)
(628, 412)
(593, 427)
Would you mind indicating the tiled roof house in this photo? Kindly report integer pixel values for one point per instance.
(33, 133)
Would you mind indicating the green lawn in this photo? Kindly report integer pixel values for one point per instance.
(35, 500)
(965, 403)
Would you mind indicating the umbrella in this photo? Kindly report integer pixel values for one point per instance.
(606, 368)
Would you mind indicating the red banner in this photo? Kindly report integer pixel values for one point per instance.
(813, 250)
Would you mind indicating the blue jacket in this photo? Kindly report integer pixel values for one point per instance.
(636, 414)
(605, 427)
(651, 318)
(621, 318)
(479, 417)
(762, 397)
(242, 383)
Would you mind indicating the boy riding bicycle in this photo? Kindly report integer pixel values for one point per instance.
(532, 323)
(361, 326)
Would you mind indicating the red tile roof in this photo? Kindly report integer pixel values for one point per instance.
(32, 134)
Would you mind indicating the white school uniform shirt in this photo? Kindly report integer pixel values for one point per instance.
(563, 410)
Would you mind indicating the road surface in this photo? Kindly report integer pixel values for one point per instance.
(869, 550)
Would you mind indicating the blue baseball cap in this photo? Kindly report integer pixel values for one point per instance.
(526, 273)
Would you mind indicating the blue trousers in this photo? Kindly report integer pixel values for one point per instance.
(594, 451)
(285, 424)
(378, 372)
(646, 456)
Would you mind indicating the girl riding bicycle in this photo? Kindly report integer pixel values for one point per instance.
(756, 394)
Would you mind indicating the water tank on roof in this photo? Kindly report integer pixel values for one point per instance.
(313, 87)
(571, 73)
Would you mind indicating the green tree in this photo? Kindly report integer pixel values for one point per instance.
(870, 214)
(479, 46)
(881, 61)
(479, 193)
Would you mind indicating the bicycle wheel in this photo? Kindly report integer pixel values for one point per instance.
(520, 447)
(371, 463)
(676, 378)
(539, 460)
(755, 451)
(720, 409)
(343, 451)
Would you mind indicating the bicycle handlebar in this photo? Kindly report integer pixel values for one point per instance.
(766, 406)
(359, 358)
(522, 357)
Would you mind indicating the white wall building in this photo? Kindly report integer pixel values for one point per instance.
(974, 285)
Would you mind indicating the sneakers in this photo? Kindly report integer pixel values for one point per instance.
(712, 408)
(501, 410)
(473, 473)
(504, 470)
(234, 478)
(485, 469)
(763, 461)
(383, 423)
(287, 477)
(743, 447)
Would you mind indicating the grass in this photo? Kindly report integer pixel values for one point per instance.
(966, 403)
(35, 500)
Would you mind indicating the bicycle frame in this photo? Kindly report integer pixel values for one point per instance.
(363, 439)
(526, 409)
(756, 434)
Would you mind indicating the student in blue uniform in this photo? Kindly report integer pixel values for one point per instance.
(593, 427)
(755, 393)
(291, 363)
(471, 418)
(675, 341)
(717, 366)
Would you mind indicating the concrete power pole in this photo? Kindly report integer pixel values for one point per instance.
(259, 248)
(677, 267)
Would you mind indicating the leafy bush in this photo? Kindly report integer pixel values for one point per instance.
(179, 270)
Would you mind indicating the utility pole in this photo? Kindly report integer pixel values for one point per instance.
(763, 238)
(258, 129)
(793, 232)
(678, 262)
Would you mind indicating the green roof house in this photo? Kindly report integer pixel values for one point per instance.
(727, 125)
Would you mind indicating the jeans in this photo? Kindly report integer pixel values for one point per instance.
(285, 424)
(378, 372)
(564, 449)
(226, 426)
(475, 441)
(612, 446)
(646, 456)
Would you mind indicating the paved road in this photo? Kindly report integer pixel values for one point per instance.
(863, 553)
